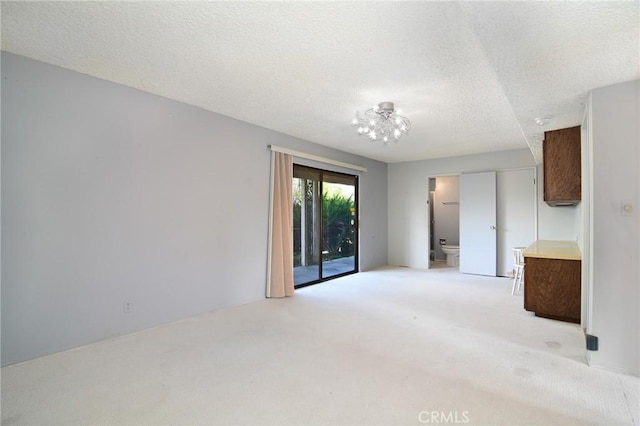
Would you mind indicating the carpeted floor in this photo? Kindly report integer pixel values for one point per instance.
(394, 346)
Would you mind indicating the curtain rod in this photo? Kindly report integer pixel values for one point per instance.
(316, 158)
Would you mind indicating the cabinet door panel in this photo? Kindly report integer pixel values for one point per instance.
(552, 288)
(561, 163)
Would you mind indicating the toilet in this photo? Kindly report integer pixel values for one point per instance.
(453, 254)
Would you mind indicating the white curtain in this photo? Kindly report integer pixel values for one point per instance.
(280, 269)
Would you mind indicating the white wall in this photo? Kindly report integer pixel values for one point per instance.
(110, 194)
(554, 223)
(447, 216)
(614, 140)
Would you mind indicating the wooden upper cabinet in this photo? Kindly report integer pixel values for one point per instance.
(561, 163)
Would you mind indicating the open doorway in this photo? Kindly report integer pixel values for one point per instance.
(444, 221)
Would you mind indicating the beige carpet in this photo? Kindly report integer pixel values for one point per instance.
(392, 346)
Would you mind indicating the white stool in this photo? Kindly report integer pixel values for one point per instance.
(518, 269)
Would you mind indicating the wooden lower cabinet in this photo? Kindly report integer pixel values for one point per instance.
(552, 288)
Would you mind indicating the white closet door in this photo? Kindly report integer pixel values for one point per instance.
(478, 223)
(516, 214)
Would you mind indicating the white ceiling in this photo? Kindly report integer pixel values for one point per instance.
(471, 76)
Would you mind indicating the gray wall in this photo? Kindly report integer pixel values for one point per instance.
(110, 194)
(408, 194)
(614, 143)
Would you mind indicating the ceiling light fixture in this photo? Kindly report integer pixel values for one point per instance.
(382, 122)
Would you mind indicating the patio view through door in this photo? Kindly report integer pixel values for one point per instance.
(325, 225)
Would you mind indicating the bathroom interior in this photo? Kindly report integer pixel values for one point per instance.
(444, 226)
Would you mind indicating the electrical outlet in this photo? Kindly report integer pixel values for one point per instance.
(127, 307)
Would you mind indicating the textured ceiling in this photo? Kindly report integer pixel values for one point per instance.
(471, 76)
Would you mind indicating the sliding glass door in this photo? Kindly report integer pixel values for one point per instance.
(325, 217)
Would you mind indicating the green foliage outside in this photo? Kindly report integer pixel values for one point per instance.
(336, 217)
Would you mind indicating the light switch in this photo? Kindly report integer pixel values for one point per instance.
(626, 208)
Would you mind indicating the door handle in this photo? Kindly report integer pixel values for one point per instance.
(492, 227)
